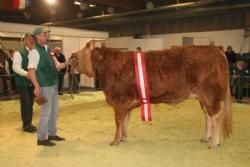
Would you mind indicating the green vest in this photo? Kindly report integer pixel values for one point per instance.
(241, 81)
(21, 80)
(46, 72)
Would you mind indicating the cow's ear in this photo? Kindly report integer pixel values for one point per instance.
(92, 45)
(87, 45)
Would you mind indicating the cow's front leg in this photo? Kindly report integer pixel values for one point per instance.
(125, 126)
(119, 120)
(208, 129)
(216, 125)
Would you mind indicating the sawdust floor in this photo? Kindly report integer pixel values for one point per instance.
(88, 124)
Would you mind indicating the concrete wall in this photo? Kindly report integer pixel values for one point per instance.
(121, 43)
(224, 38)
(11, 44)
(129, 43)
(71, 40)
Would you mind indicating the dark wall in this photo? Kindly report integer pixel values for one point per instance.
(202, 22)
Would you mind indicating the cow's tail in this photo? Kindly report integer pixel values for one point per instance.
(227, 120)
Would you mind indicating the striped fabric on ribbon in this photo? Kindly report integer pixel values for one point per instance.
(20, 4)
(142, 86)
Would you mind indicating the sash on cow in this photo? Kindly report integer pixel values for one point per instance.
(142, 86)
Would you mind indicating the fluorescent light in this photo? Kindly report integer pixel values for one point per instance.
(51, 2)
(92, 5)
(77, 3)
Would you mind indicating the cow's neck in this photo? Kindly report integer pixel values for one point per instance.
(101, 59)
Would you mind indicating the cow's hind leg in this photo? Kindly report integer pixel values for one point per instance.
(125, 126)
(214, 115)
(119, 120)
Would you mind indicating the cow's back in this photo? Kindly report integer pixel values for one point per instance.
(172, 74)
(175, 73)
(211, 70)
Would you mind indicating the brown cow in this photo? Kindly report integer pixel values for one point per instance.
(173, 75)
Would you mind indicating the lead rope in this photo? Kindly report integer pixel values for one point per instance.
(71, 74)
(73, 80)
(77, 82)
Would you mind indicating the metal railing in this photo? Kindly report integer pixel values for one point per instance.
(74, 86)
(240, 87)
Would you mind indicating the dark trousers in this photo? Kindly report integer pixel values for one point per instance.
(60, 82)
(5, 85)
(74, 81)
(26, 102)
(13, 83)
(97, 84)
(238, 93)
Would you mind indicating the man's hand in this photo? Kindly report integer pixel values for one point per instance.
(61, 66)
(236, 76)
(37, 91)
(32, 76)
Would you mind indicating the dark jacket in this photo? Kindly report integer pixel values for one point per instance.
(231, 57)
(61, 58)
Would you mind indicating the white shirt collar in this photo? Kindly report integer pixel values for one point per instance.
(46, 47)
(28, 49)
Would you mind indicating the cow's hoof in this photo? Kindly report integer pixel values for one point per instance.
(115, 143)
(124, 138)
(213, 146)
(205, 140)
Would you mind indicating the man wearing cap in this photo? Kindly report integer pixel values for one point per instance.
(43, 74)
(24, 86)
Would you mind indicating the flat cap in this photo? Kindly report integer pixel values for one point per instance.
(39, 31)
(27, 35)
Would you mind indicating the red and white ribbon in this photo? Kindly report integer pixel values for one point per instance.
(142, 86)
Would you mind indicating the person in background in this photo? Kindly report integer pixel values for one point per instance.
(61, 59)
(138, 49)
(96, 81)
(74, 76)
(231, 59)
(238, 80)
(42, 69)
(24, 86)
(10, 71)
(221, 48)
(3, 73)
(231, 56)
(248, 64)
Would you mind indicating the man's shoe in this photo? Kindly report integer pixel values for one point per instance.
(56, 138)
(29, 129)
(45, 143)
(76, 92)
(32, 126)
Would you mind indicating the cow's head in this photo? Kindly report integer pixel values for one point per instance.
(84, 63)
